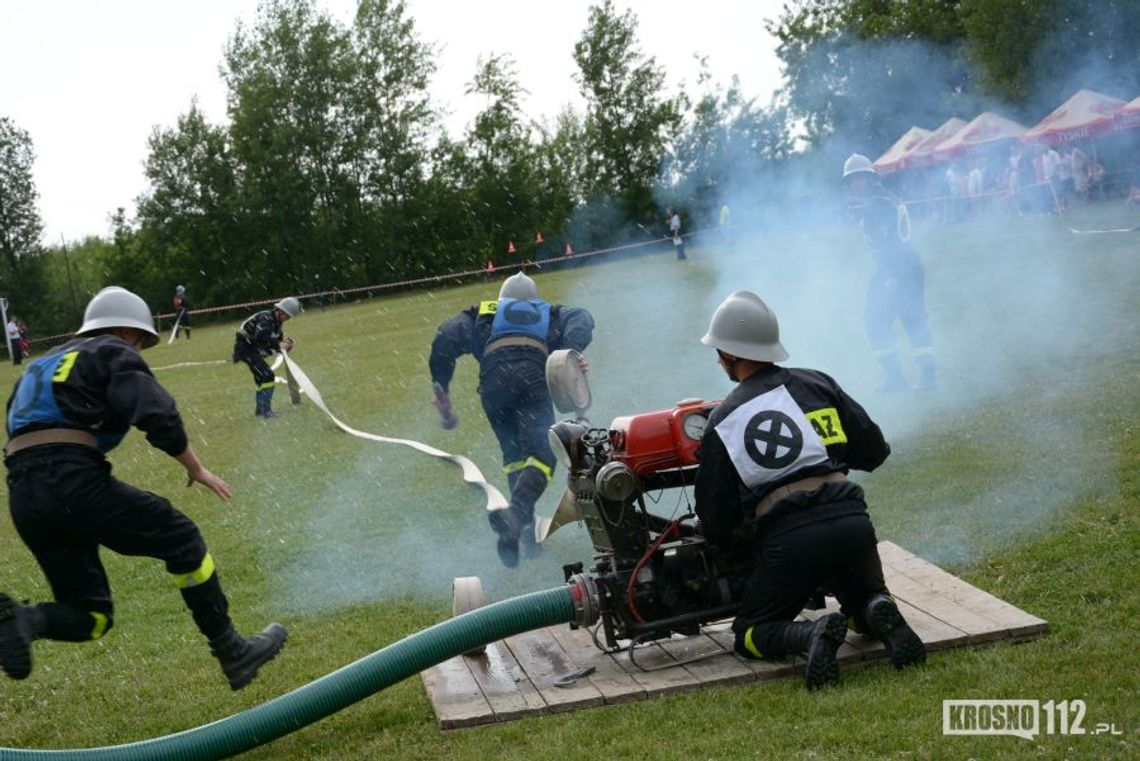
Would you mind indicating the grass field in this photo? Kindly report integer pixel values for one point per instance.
(1020, 474)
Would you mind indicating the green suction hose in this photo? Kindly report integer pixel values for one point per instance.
(342, 688)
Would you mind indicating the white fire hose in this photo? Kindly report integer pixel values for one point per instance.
(299, 383)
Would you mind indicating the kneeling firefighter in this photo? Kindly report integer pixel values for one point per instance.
(774, 459)
(511, 338)
(71, 406)
(261, 336)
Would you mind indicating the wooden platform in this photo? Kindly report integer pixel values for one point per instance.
(517, 677)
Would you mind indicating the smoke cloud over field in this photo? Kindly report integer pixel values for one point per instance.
(1025, 315)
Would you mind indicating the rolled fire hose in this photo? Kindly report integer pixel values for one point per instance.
(471, 472)
(325, 696)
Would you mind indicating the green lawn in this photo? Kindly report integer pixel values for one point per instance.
(1019, 474)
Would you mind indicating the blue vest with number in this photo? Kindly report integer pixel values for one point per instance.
(34, 400)
(521, 317)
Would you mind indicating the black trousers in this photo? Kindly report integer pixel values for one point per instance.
(262, 375)
(65, 505)
(839, 554)
(897, 296)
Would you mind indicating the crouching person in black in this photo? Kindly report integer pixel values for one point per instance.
(71, 406)
(774, 459)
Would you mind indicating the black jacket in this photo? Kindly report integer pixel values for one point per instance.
(879, 219)
(260, 334)
(805, 426)
(468, 331)
(98, 384)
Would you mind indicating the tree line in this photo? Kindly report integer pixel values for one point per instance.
(333, 169)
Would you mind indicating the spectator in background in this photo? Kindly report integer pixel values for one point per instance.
(1065, 178)
(1051, 167)
(1096, 178)
(1013, 175)
(723, 222)
(674, 220)
(1080, 166)
(25, 344)
(974, 184)
(15, 340)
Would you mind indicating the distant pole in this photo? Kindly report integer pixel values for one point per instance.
(4, 317)
(70, 283)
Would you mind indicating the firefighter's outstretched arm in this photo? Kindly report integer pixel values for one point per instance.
(452, 341)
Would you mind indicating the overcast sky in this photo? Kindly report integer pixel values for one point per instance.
(90, 79)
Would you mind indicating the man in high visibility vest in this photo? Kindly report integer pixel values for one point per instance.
(511, 338)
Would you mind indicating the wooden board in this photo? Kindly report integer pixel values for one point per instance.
(525, 675)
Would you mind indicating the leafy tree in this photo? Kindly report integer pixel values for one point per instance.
(628, 120)
(868, 71)
(728, 143)
(391, 118)
(191, 223)
(20, 225)
(1035, 52)
(502, 163)
(21, 266)
(289, 81)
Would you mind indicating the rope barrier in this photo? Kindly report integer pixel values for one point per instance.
(471, 472)
(382, 287)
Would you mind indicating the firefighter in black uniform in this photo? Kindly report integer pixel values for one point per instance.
(511, 339)
(897, 287)
(259, 337)
(69, 408)
(182, 311)
(774, 459)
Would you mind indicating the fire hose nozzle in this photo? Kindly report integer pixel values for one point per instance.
(584, 591)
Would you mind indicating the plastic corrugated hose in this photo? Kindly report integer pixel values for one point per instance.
(340, 689)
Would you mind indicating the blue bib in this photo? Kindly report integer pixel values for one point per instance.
(34, 400)
(520, 317)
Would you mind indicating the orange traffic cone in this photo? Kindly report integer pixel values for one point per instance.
(510, 247)
(490, 266)
(538, 239)
(569, 250)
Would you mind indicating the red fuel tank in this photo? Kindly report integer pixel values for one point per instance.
(662, 440)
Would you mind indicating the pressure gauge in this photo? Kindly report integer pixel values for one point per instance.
(694, 425)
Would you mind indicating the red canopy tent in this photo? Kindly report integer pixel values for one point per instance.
(894, 158)
(1084, 116)
(921, 155)
(986, 130)
(1128, 115)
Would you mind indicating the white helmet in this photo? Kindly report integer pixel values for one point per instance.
(115, 307)
(745, 327)
(290, 306)
(857, 163)
(518, 286)
(180, 289)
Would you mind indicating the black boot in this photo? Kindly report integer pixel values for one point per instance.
(884, 622)
(16, 637)
(241, 657)
(507, 525)
(819, 641)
